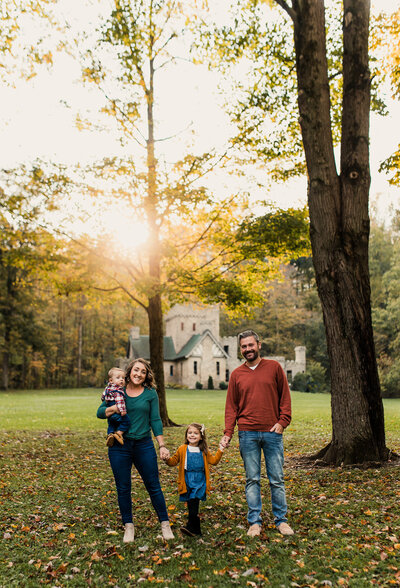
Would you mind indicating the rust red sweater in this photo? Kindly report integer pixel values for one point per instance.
(257, 399)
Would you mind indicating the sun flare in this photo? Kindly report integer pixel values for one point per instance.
(127, 233)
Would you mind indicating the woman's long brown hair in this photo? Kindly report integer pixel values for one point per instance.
(149, 381)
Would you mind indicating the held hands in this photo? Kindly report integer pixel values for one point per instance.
(164, 453)
(224, 443)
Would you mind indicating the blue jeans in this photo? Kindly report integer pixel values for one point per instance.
(117, 422)
(251, 443)
(143, 456)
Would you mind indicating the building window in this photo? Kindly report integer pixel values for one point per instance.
(195, 367)
(226, 375)
(171, 370)
(226, 349)
(217, 368)
(194, 326)
(182, 326)
(289, 375)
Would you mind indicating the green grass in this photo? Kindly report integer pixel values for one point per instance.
(60, 522)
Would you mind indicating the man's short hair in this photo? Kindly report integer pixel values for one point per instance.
(248, 333)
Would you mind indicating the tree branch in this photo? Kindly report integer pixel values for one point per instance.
(124, 289)
(122, 113)
(288, 9)
(204, 233)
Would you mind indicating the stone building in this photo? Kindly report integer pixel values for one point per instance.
(292, 367)
(194, 350)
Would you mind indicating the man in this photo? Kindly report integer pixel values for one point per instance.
(258, 400)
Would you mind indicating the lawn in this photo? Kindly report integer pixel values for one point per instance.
(60, 522)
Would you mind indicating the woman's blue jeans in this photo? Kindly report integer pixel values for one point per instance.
(143, 456)
(251, 443)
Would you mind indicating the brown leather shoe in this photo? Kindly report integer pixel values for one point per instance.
(118, 436)
(110, 440)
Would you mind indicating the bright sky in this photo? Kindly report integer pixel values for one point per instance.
(35, 122)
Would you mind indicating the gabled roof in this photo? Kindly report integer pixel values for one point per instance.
(140, 347)
(189, 346)
(194, 340)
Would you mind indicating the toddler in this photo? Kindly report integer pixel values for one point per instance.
(194, 459)
(119, 422)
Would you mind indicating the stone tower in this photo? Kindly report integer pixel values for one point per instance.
(185, 320)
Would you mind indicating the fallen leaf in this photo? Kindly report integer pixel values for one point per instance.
(96, 556)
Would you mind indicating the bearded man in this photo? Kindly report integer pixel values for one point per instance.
(258, 400)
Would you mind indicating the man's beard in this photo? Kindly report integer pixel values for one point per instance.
(254, 354)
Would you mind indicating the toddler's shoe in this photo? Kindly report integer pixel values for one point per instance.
(118, 436)
(110, 440)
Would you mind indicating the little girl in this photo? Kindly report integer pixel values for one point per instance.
(194, 458)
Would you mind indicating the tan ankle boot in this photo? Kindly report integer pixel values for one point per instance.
(166, 530)
(129, 535)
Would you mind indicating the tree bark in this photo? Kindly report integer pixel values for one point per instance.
(154, 308)
(339, 226)
(156, 339)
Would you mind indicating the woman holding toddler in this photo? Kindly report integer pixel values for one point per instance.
(142, 408)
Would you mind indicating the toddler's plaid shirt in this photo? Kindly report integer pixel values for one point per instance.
(116, 394)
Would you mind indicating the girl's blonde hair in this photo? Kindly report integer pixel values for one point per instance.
(203, 441)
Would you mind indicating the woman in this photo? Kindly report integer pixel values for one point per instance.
(138, 448)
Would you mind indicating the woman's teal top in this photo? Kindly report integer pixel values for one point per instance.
(144, 412)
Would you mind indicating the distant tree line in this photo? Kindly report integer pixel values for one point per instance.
(57, 330)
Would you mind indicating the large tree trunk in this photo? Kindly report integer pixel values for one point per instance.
(156, 338)
(339, 227)
(154, 309)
